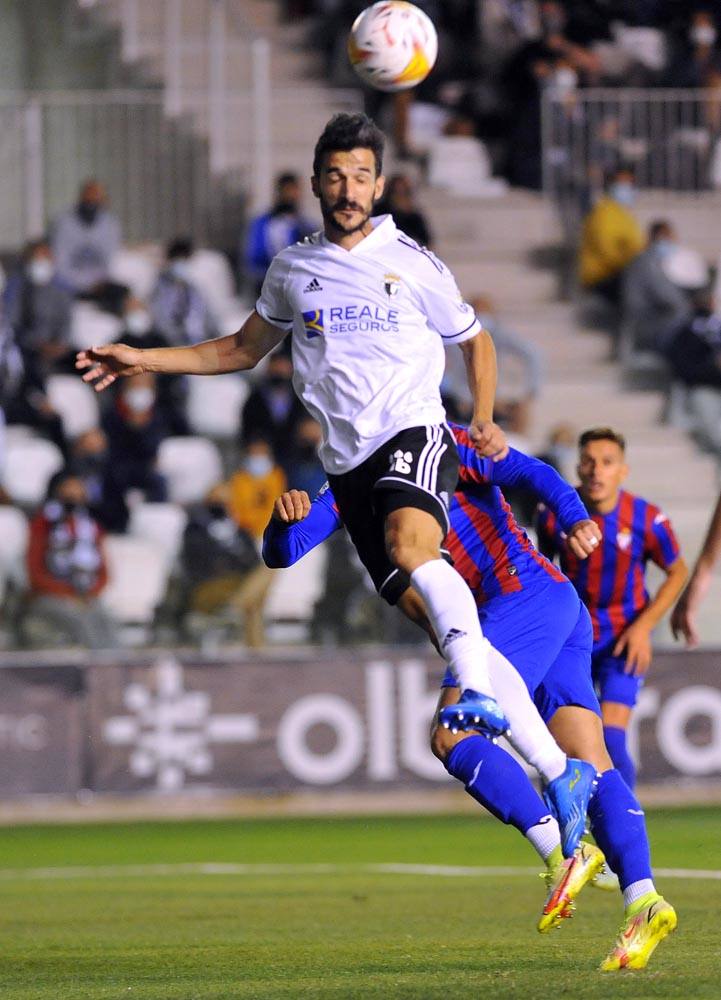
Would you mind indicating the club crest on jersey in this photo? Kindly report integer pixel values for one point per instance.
(313, 320)
(623, 539)
(392, 284)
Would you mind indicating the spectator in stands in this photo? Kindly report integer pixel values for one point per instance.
(254, 487)
(179, 311)
(694, 354)
(697, 59)
(38, 306)
(89, 462)
(276, 229)
(66, 571)
(652, 305)
(398, 200)
(135, 427)
(611, 237)
(553, 59)
(272, 410)
(304, 471)
(222, 566)
(84, 240)
(172, 391)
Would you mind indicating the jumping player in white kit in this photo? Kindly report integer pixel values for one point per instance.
(370, 312)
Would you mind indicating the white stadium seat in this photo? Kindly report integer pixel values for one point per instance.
(90, 327)
(138, 269)
(295, 589)
(29, 464)
(160, 523)
(191, 466)
(13, 545)
(76, 403)
(214, 405)
(210, 272)
(137, 575)
(461, 165)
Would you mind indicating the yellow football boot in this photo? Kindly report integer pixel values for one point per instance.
(564, 880)
(647, 923)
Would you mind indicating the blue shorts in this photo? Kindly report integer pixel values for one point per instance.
(610, 680)
(546, 634)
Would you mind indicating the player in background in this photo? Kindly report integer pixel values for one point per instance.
(534, 618)
(683, 619)
(611, 583)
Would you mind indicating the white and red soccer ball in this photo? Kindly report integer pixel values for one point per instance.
(393, 45)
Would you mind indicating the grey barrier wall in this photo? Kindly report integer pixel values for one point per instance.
(353, 719)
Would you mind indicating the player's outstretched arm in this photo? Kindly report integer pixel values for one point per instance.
(683, 619)
(238, 352)
(296, 526)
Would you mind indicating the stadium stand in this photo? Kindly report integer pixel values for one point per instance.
(191, 466)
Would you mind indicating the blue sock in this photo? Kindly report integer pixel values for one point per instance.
(618, 751)
(619, 826)
(493, 778)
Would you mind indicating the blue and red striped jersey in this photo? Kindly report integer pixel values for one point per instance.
(489, 549)
(612, 581)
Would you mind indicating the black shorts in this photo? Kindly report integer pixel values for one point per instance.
(416, 468)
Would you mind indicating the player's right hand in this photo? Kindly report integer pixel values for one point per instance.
(103, 365)
(583, 538)
(291, 507)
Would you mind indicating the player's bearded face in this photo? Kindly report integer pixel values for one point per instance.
(347, 190)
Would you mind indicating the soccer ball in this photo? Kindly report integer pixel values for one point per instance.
(392, 45)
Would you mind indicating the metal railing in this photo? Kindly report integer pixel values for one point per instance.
(671, 138)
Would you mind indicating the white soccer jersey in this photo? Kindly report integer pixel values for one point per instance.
(369, 326)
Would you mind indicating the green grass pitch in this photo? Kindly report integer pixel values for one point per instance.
(76, 924)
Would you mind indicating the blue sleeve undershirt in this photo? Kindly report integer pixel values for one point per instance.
(285, 544)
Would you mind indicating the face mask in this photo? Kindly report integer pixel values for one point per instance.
(285, 208)
(88, 211)
(258, 465)
(217, 511)
(664, 248)
(703, 34)
(179, 269)
(70, 507)
(139, 400)
(277, 380)
(138, 321)
(565, 80)
(41, 271)
(624, 193)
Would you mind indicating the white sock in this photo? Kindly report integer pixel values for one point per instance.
(635, 890)
(544, 836)
(529, 735)
(454, 616)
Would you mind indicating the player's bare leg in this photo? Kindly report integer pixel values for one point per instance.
(413, 539)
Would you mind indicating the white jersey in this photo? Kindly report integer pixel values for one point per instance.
(369, 327)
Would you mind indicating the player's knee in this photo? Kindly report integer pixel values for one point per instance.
(408, 553)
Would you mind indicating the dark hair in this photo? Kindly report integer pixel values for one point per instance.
(620, 168)
(657, 227)
(57, 480)
(602, 434)
(286, 178)
(349, 131)
(181, 246)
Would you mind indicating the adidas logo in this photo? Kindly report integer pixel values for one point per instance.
(313, 286)
(452, 635)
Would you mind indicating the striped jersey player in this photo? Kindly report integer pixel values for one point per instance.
(612, 582)
(533, 616)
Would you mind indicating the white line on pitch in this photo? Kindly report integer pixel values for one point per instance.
(230, 868)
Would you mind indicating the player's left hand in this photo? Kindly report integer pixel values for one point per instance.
(291, 507)
(636, 644)
(583, 538)
(488, 439)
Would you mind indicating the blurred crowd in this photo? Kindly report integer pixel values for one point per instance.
(497, 58)
(658, 299)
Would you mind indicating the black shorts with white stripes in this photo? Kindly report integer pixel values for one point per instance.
(418, 467)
